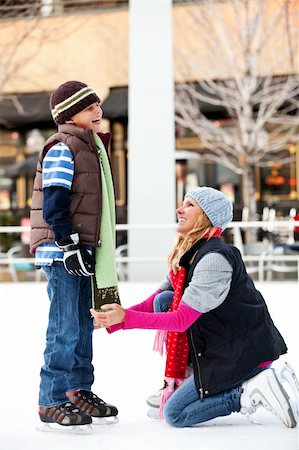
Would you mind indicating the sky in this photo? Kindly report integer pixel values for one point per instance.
(126, 372)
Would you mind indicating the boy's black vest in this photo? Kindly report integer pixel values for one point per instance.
(230, 341)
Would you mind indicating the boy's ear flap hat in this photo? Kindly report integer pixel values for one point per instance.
(69, 99)
(215, 205)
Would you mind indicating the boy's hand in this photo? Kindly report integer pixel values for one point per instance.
(115, 314)
(76, 259)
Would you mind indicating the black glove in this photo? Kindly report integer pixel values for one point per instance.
(77, 260)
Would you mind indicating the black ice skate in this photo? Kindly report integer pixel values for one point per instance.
(100, 411)
(65, 417)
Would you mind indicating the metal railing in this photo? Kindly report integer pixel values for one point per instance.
(263, 261)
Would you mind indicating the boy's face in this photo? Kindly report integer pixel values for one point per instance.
(89, 118)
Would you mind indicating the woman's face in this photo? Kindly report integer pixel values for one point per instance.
(187, 215)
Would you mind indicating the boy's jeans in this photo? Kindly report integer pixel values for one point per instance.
(68, 352)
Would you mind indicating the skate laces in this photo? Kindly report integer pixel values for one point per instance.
(68, 408)
(254, 405)
(90, 397)
(248, 410)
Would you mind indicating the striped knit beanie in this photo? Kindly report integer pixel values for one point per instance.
(69, 99)
(214, 203)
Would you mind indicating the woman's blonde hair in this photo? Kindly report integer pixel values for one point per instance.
(202, 227)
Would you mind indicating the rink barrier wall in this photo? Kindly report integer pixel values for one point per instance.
(264, 261)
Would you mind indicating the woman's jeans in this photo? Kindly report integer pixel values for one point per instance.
(184, 408)
(162, 301)
(68, 354)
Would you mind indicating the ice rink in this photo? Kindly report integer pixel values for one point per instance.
(126, 372)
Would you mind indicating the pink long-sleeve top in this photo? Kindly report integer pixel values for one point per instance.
(141, 316)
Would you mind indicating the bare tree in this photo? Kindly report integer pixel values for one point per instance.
(28, 35)
(257, 86)
(27, 17)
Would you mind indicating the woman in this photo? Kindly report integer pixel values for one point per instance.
(217, 321)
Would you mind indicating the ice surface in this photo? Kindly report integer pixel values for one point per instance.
(126, 372)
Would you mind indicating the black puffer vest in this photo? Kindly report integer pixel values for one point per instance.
(230, 341)
(86, 193)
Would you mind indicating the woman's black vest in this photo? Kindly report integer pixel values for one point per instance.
(230, 341)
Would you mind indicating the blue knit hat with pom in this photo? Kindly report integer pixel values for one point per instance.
(214, 203)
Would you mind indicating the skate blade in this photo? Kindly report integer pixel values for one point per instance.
(253, 419)
(288, 375)
(71, 429)
(111, 420)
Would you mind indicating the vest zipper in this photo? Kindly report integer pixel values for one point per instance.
(201, 390)
(97, 151)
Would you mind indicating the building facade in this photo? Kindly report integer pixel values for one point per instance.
(46, 43)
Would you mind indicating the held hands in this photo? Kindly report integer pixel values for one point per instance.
(114, 314)
(76, 259)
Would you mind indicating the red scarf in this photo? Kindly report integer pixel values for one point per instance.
(177, 347)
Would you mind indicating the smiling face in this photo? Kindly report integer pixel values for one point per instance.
(89, 118)
(188, 215)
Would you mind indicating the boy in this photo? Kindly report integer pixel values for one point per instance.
(72, 226)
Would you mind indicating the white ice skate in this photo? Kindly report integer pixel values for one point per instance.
(154, 400)
(153, 413)
(265, 390)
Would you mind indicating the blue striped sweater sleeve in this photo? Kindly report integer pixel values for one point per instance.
(58, 167)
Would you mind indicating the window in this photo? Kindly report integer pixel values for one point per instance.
(31, 8)
(279, 181)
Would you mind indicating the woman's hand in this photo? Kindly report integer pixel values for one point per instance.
(115, 314)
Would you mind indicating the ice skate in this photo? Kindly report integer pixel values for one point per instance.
(265, 390)
(65, 418)
(154, 400)
(287, 377)
(153, 413)
(100, 412)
